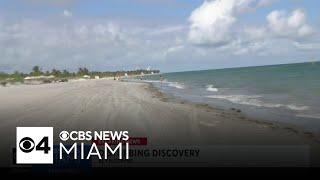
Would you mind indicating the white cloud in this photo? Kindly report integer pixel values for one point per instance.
(265, 3)
(214, 24)
(173, 49)
(210, 24)
(282, 29)
(254, 48)
(67, 13)
(255, 33)
(307, 46)
(291, 25)
(95, 43)
(167, 30)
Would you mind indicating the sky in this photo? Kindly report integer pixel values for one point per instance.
(170, 35)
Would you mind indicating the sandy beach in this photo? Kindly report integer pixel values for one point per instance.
(140, 109)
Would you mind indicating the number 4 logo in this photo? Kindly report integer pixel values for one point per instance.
(34, 145)
(43, 145)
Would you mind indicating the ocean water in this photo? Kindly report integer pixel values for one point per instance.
(280, 93)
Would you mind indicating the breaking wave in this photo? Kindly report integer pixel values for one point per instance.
(176, 85)
(254, 101)
(211, 88)
(167, 83)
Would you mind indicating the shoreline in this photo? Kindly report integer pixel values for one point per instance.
(242, 117)
(142, 110)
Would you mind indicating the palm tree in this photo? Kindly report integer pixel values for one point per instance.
(36, 71)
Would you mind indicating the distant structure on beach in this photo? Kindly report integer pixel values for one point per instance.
(38, 79)
(86, 76)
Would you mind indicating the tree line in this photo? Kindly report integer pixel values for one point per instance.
(36, 71)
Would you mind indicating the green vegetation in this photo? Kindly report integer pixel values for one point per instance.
(64, 75)
(15, 77)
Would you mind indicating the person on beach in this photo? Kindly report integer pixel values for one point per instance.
(161, 80)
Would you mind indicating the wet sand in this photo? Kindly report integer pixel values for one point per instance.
(136, 107)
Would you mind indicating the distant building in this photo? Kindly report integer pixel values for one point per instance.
(86, 77)
(39, 79)
(96, 77)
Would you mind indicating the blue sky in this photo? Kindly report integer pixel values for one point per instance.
(170, 35)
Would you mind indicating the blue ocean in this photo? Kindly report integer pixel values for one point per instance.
(288, 93)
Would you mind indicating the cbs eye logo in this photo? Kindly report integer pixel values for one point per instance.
(34, 145)
(64, 135)
(27, 145)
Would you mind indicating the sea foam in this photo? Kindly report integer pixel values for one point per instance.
(255, 101)
(176, 85)
(211, 88)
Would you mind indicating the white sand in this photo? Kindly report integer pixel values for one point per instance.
(112, 105)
